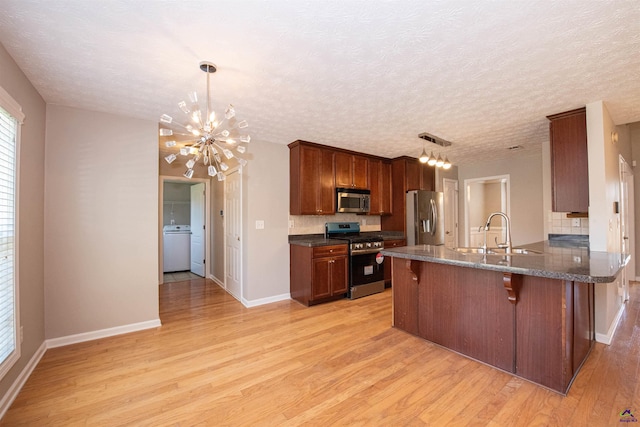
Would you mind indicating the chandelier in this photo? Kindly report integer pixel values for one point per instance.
(430, 159)
(205, 137)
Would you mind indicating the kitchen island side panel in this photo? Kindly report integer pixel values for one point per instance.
(543, 329)
(583, 322)
(405, 296)
(468, 311)
(538, 328)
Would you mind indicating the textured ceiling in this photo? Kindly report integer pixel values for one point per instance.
(362, 75)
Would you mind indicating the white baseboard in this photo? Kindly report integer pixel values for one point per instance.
(606, 339)
(102, 333)
(17, 385)
(262, 301)
(217, 281)
(254, 303)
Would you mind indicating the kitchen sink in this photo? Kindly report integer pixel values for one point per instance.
(498, 251)
(475, 251)
(523, 251)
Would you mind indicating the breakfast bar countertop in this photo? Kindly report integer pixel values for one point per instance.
(557, 261)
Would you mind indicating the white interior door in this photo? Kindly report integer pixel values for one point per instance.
(450, 213)
(233, 234)
(626, 225)
(197, 229)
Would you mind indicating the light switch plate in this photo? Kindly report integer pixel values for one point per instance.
(259, 225)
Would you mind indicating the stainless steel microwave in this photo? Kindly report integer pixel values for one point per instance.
(351, 200)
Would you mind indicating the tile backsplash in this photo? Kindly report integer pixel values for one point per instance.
(314, 224)
(558, 223)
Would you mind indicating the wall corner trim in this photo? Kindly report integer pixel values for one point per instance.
(17, 385)
(267, 300)
(102, 333)
(606, 339)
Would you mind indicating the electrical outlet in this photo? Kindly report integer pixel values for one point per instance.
(259, 225)
(575, 222)
(577, 258)
(291, 223)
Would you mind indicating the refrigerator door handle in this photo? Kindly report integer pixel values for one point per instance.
(434, 217)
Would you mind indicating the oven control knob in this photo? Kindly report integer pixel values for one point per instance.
(368, 244)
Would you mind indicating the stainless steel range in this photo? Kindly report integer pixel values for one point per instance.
(366, 268)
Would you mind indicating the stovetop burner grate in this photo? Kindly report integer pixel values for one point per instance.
(349, 231)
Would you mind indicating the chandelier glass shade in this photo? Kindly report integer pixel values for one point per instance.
(205, 137)
(432, 160)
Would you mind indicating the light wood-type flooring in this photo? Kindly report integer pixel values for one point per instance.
(215, 363)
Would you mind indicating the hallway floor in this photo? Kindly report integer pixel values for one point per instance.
(179, 276)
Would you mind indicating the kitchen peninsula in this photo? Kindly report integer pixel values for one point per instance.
(531, 314)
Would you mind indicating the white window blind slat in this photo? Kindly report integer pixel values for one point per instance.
(8, 333)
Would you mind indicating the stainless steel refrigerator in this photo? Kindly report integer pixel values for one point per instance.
(425, 217)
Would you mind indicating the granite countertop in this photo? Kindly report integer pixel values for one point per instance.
(313, 240)
(557, 261)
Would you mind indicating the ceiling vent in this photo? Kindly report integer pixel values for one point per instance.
(432, 138)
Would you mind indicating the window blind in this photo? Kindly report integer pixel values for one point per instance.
(8, 333)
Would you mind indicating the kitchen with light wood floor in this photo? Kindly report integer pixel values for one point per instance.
(215, 362)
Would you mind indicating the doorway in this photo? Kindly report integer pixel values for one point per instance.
(627, 241)
(198, 229)
(450, 187)
(484, 196)
(184, 202)
(233, 234)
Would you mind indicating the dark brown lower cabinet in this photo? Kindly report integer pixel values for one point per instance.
(318, 274)
(537, 328)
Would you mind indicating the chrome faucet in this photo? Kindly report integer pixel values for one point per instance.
(506, 245)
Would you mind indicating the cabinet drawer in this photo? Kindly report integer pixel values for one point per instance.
(322, 251)
(394, 243)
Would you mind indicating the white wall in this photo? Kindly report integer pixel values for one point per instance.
(633, 132)
(30, 214)
(604, 223)
(101, 219)
(266, 198)
(525, 172)
(477, 210)
(177, 203)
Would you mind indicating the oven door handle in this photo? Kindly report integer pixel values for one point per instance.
(366, 251)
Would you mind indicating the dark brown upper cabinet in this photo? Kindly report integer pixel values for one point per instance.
(380, 186)
(311, 180)
(569, 161)
(351, 171)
